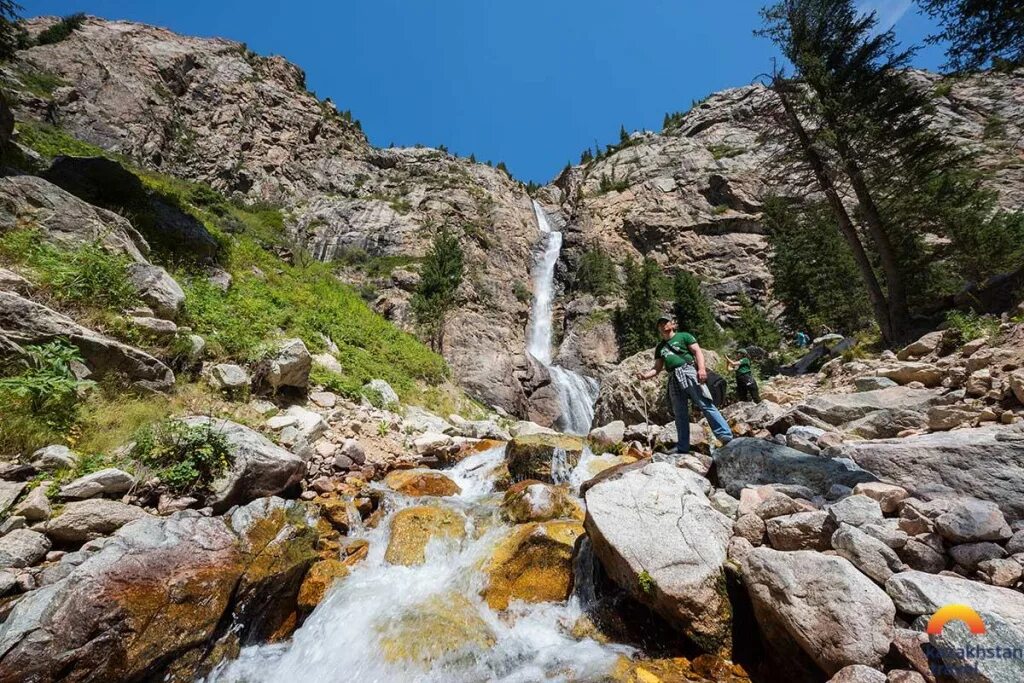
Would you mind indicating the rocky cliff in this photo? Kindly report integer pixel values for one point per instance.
(690, 196)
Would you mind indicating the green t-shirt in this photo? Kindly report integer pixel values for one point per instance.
(675, 351)
(744, 368)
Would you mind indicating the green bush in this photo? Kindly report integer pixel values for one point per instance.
(693, 311)
(612, 184)
(186, 458)
(754, 328)
(61, 30)
(963, 327)
(40, 398)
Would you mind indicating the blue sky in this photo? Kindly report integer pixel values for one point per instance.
(529, 82)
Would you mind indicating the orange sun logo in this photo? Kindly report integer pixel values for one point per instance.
(956, 613)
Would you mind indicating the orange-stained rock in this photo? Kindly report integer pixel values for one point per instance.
(421, 483)
(412, 528)
(534, 564)
(534, 501)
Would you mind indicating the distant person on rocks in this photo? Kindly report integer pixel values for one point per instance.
(801, 340)
(680, 355)
(746, 383)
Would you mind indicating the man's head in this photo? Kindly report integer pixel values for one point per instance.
(666, 326)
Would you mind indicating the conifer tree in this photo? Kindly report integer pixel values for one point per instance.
(440, 276)
(636, 320)
(978, 32)
(693, 310)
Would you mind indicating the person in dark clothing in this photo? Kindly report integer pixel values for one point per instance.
(746, 383)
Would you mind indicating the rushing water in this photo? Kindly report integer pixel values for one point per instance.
(347, 636)
(576, 393)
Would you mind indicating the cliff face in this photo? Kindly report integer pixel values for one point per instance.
(210, 110)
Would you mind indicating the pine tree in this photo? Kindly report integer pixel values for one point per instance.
(11, 33)
(978, 32)
(595, 273)
(637, 320)
(440, 276)
(623, 135)
(693, 310)
(754, 328)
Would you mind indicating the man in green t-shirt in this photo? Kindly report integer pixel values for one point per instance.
(680, 355)
(746, 384)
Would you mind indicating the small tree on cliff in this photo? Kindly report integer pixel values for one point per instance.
(978, 32)
(693, 310)
(440, 277)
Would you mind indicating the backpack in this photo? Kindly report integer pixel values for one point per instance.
(718, 387)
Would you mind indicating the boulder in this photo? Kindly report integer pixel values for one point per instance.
(658, 537)
(36, 505)
(611, 434)
(85, 520)
(381, 389)
(922, 347)
(22, 548)
(949, 462)
(810, 605)
(412, 528)
(288, 365)
(751, 462)
(968, 520)
(922, 556)
(920, 594)
(543, 457)
(968, 556)
(229, 377)
(421, 482)
(873, 383)
(624, 397)
(956, 653)
(439, 628)
(106, 482)
(169, 587)
(259, 468)
(872, 557)
(888, 496)
(350, 456)
(751, 528)
(855, 511)
(157, 289)
(840, 409)
(53, 458)
(27, 322)
(534, 501)
(9, 492)
(858, 673)
(533, 564)
(800, 531)
(1016, 379)
(1000, 572)
(927, 374)
(432, 443)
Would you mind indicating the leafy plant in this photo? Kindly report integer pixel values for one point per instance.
(61, 30)
(967, 326)
(646, 582)
(187, 458)
(383, 427)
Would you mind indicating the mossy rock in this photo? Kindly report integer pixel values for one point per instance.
(535, 501)
(412, 528)
(320, 577)
(530, 456)
(422, 482)
(533, 564)
(441, 627)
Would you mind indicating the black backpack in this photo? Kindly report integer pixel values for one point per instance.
(718, 388)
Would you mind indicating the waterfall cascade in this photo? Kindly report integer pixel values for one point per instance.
(576, 393)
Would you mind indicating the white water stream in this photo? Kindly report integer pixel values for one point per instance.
(576, 393)
(347, 636)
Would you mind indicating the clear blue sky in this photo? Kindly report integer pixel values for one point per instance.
(529, 82)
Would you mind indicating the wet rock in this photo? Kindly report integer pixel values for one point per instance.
(421, 482)
(259, 467)
(810, 605)
(157, 289)
(439, 627)
(432, 443)
(609, 435)
(106, 482)
(533, 564)
(658, 537)
(872, 557)
(166, 586)
(968, 520)
(750, 462)
(53, 458)
(318, 580)
(88, 519)
(412, 528)
(949, 461)
(534, 501)
(543, 457)
(801, 531)
(22, 548)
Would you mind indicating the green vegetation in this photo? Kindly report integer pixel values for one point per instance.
(87, 277)
(186, 458)
(51, 142)
(724, 151)
(755, 328)
(976, 33)
(440, 277)
(40, 397)
(995, 128)
(675, 119)
(612, 184)
(12, 34)
(521, 292)
(595, 273)
(61, 30)
(635, 322)
(963, 327)
(693, 311)
(39, 83)
(646, 582)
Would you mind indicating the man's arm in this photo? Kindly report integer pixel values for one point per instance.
(698, 356)
(659, 365)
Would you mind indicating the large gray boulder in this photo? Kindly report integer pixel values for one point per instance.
(260, 468)
(624, 397)
(22, 548)
(868, 554)
(815, 606)
(969, 520)
(9, 492)
(985, 463)
(158, 593)
(920, 594)
(839, 409)
(109, 481)
(289, 365)
(157, 289)
(659, 538)
(85, 520)
(751, 462)
(26, 322)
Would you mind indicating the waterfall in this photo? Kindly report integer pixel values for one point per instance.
(576, 393)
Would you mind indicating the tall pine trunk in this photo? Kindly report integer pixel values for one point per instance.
(879, 304)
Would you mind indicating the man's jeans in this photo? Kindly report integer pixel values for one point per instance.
(680, 398)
